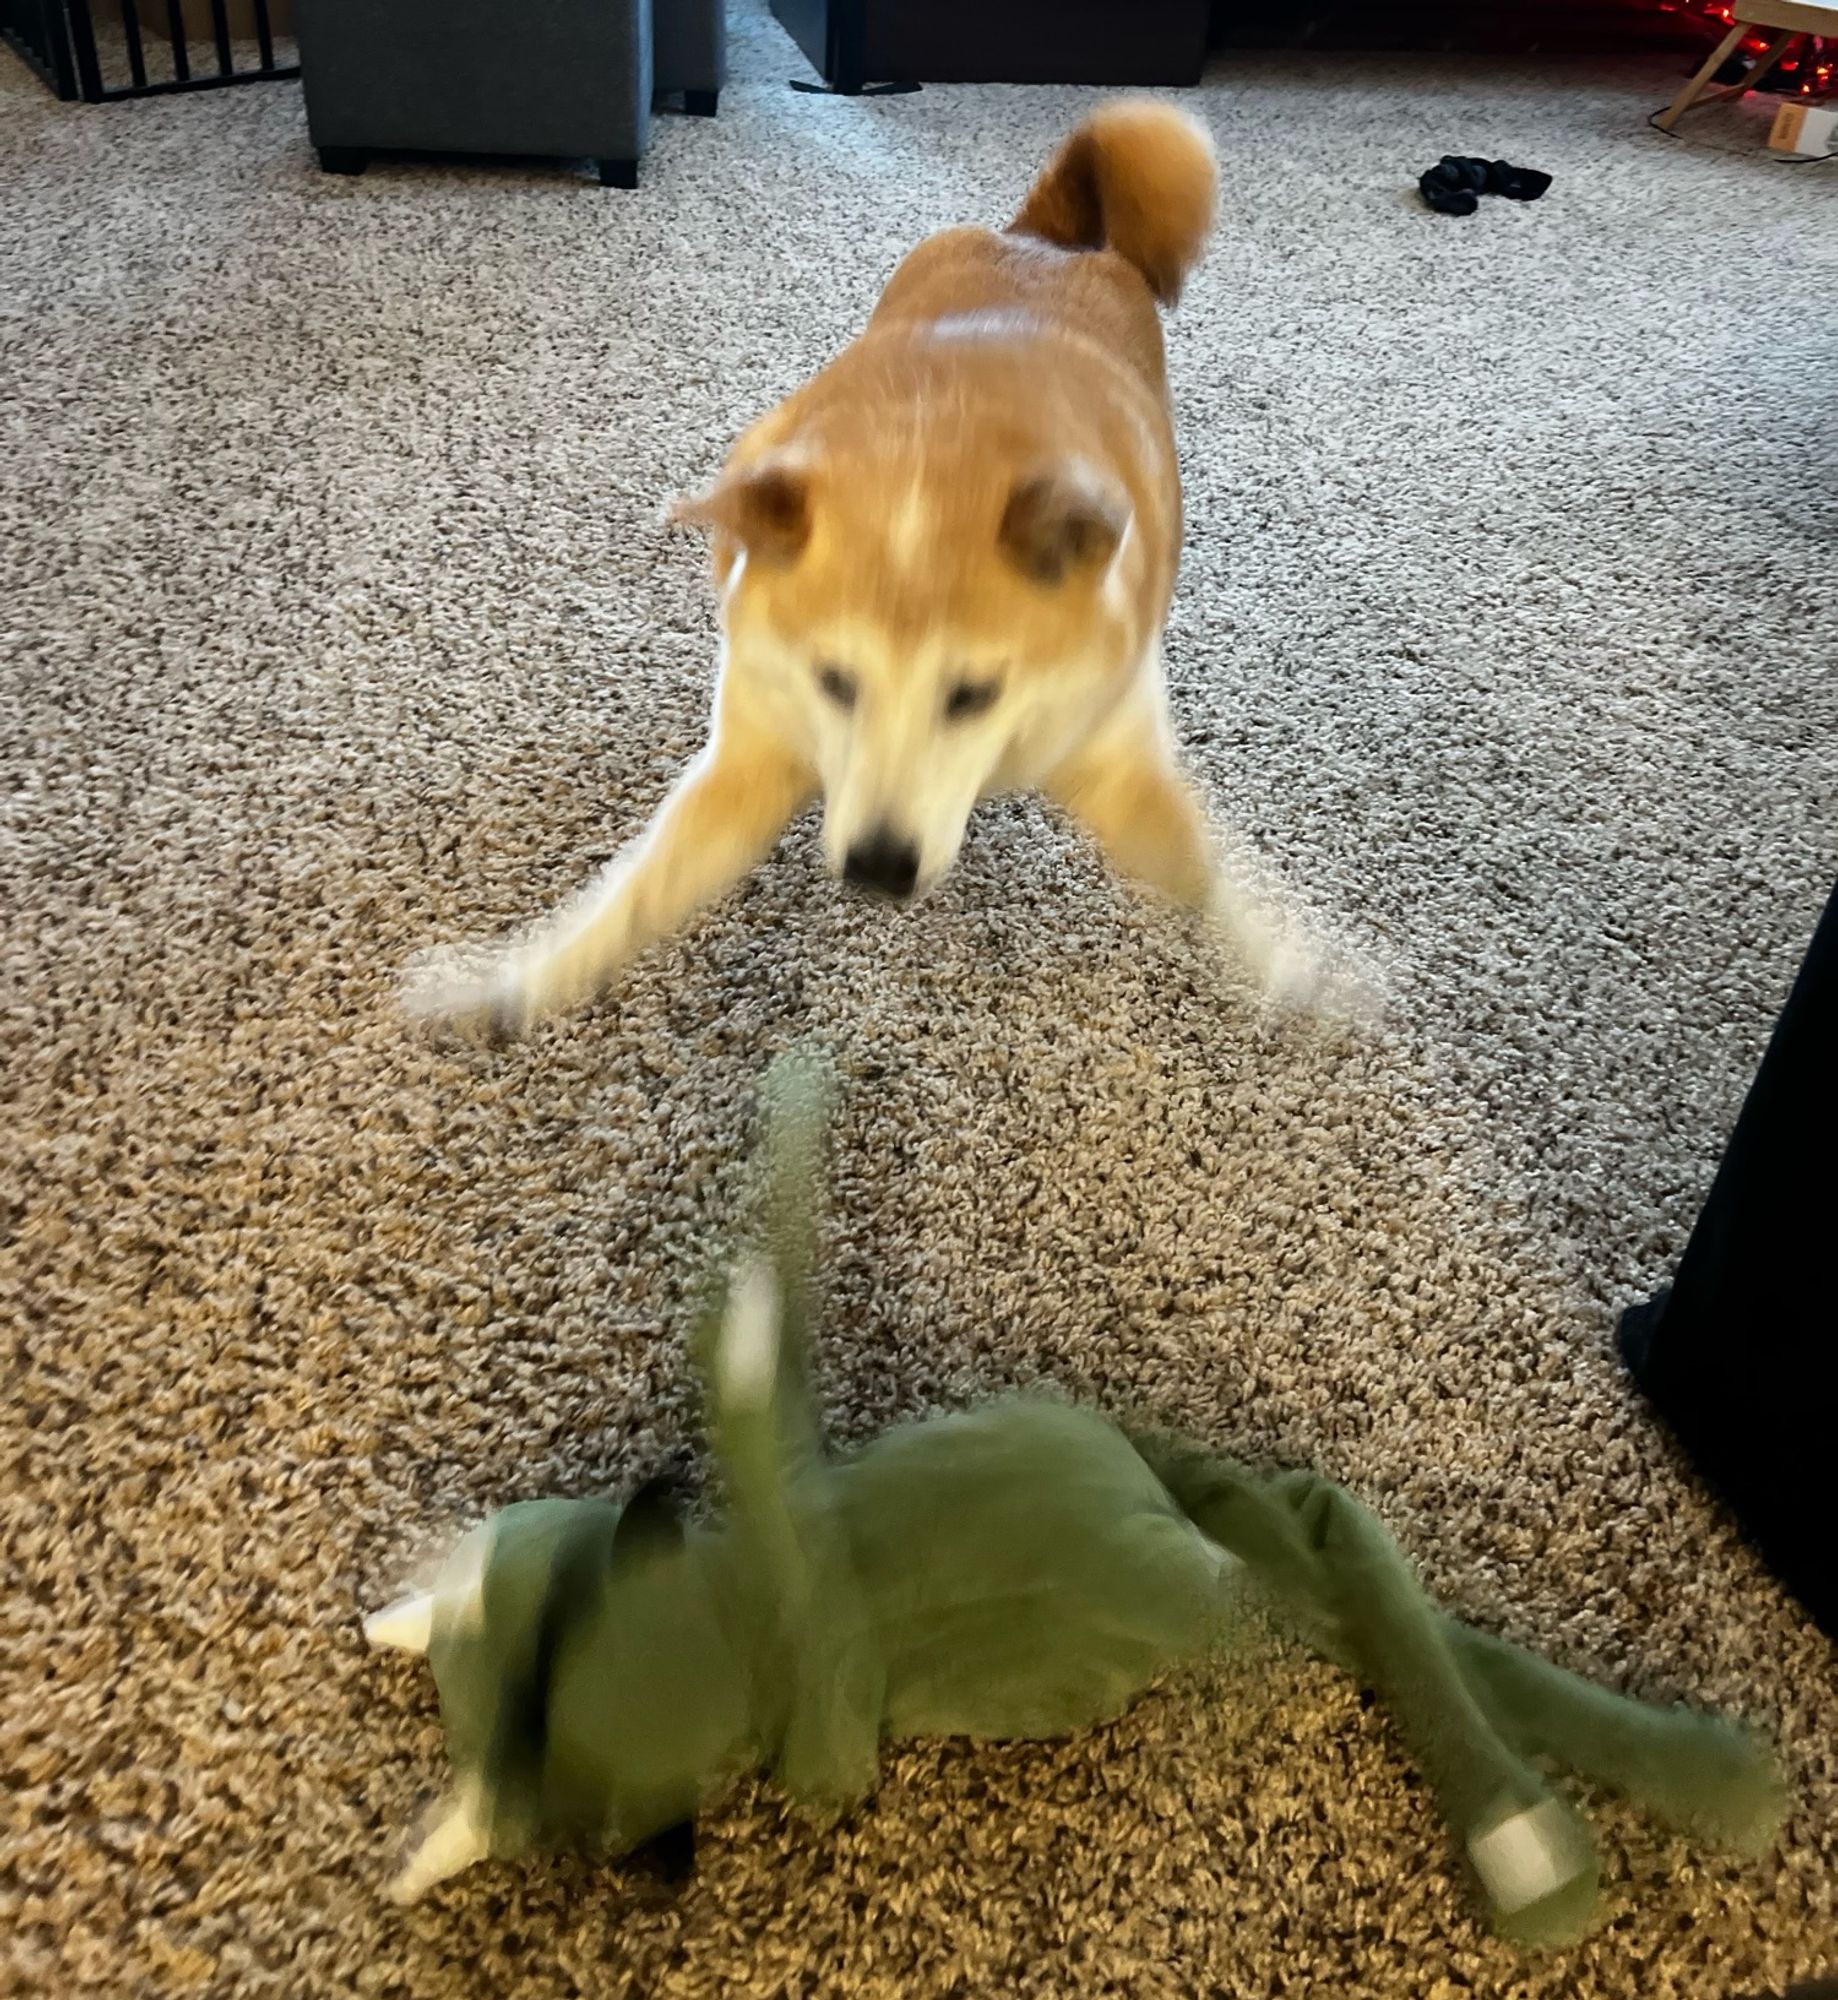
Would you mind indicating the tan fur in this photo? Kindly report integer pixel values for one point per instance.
(944, 564)
(1135, 180)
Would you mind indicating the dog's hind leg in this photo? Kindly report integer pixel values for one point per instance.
(721, 818)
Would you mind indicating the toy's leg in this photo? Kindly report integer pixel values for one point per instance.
(724, 814)
(1533, 1855)
(1237, 1509)
(752, 1352)
(1342, 1577)
(1338, 1572)
(1696, 1772)
(792, 1554)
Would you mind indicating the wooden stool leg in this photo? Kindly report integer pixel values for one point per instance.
(1712, 63)
(1769, 57)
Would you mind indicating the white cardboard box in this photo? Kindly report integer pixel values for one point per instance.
(1805, 129)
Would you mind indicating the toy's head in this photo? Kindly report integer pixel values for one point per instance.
(603, 1670)
(589, 1693)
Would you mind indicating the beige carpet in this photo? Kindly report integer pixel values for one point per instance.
(338, 620)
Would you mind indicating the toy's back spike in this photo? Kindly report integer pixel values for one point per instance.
(759, 1419)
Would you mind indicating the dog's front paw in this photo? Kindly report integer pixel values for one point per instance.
(1298, 973)
(1305, 976)
(485, 1001)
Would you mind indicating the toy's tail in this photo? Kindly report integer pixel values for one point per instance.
(1137, 178)
(1476, 1710)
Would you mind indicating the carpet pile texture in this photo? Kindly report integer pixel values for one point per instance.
(339, 619)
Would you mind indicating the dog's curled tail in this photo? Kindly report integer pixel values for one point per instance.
(1136, 177)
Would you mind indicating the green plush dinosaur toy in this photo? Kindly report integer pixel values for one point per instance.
(1023, 1570)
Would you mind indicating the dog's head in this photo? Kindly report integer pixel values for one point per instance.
(932, 622)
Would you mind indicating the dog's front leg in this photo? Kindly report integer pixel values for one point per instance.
(1126, 788)
(720, 818)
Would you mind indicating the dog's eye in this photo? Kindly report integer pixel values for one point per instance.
(970, 698)
(838, 686)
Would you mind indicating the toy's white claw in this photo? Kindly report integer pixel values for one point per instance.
(1529, 1855)
(407, 1626)
(749, 1349)
(449, 1847)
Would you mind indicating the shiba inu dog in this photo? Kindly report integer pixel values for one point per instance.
(944, 565)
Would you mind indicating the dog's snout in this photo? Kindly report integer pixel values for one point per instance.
(884, 862)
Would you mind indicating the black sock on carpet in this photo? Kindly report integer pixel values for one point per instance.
(1515, 183)
(1448, 188)
(1453, 185)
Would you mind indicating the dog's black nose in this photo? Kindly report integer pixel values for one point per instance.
(885, 862)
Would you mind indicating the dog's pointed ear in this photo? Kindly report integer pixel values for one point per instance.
(1062, 522)
(765, 507)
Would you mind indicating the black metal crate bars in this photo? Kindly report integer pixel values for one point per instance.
(153, 49)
